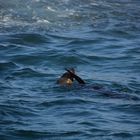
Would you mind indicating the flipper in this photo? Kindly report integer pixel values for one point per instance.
(75, 76)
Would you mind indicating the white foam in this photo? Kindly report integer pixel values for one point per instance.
(50, 9)
(42, 21)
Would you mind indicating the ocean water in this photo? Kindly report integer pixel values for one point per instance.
(39, 39)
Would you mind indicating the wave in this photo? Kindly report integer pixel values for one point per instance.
(15, 134)
(54, 16)
(7, 66)
(64, 102)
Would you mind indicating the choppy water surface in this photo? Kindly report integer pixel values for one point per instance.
(39, 38)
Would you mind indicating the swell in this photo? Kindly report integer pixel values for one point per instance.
(99, 39)
(6, 66)
(129, 108)
(28, 72)
(9, 111)
(35, 134)
(28, 39)
(65, 102)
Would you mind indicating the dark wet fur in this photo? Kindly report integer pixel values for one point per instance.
(70, 74)
(80, 80)
(67, 75)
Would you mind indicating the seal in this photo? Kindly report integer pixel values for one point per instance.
(68, 78)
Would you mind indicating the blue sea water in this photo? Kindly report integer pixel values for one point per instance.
(39, 39)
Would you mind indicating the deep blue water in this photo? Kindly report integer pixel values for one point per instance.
(39, 39)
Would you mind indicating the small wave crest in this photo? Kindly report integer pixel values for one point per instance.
(64, 102)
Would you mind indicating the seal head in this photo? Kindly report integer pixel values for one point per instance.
(68, 77)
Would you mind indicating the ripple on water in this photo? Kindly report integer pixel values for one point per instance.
(28, 39)
(27, 72)
(33, 134)
(98, 38)
(6, 66)
(65, 102)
